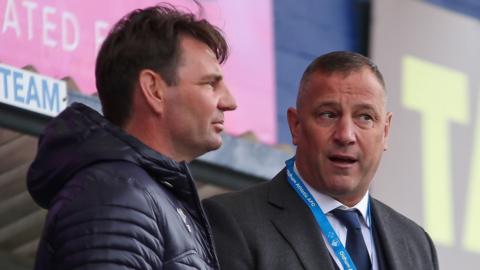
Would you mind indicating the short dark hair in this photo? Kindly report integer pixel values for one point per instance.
(341, 61)
(147, 39)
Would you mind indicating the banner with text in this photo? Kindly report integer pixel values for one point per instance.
(61, 38)
(431, 172)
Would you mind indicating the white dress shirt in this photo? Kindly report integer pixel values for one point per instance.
(327, 204)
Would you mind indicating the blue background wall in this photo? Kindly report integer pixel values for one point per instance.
(305, 30)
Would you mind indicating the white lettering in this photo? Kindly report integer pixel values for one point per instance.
(30, 6)
(70, 19)
(48, 26)
(10, 19)
(100, 27)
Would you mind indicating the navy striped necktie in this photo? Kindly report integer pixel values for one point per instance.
(355, 244)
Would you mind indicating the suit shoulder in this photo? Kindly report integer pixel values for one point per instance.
(388, 213)
(120, 184)
(398, 228)
(113, 175)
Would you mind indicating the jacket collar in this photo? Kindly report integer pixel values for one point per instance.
(174, 175)
(297, 225)
(79, 137)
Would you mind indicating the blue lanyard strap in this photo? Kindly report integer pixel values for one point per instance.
(320, 217)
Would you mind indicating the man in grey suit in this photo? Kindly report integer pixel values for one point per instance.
(317, 213)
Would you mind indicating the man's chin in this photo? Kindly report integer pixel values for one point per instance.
(341, 187)
(215, 144)
(346, 194)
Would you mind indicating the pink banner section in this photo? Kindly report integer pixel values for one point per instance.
(61, 38)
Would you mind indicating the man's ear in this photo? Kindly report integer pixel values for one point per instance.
(152, 88)
(386, 131)
(293, 124)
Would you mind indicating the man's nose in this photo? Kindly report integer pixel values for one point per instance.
(227, 101)
(345, 131)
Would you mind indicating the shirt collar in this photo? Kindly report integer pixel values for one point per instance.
(328, 203)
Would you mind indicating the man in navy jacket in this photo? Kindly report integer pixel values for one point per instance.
(118, 190)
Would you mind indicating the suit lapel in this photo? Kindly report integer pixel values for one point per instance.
(298, 227)
(392, 242)
(296, 224)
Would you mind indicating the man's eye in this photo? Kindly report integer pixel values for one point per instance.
(212, 83)
(365, 120)
(327, 115)
(366, 117)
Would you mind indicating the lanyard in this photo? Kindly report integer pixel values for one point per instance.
(320, 217)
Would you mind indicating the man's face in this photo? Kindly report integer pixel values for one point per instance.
(194, 107)
(340, 130)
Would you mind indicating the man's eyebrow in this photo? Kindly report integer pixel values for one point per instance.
(365, 106)
(214, 77)
(326, 104)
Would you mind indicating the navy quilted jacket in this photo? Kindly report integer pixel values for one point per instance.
(113, 202)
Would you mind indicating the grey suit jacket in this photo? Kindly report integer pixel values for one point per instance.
(269, 227)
